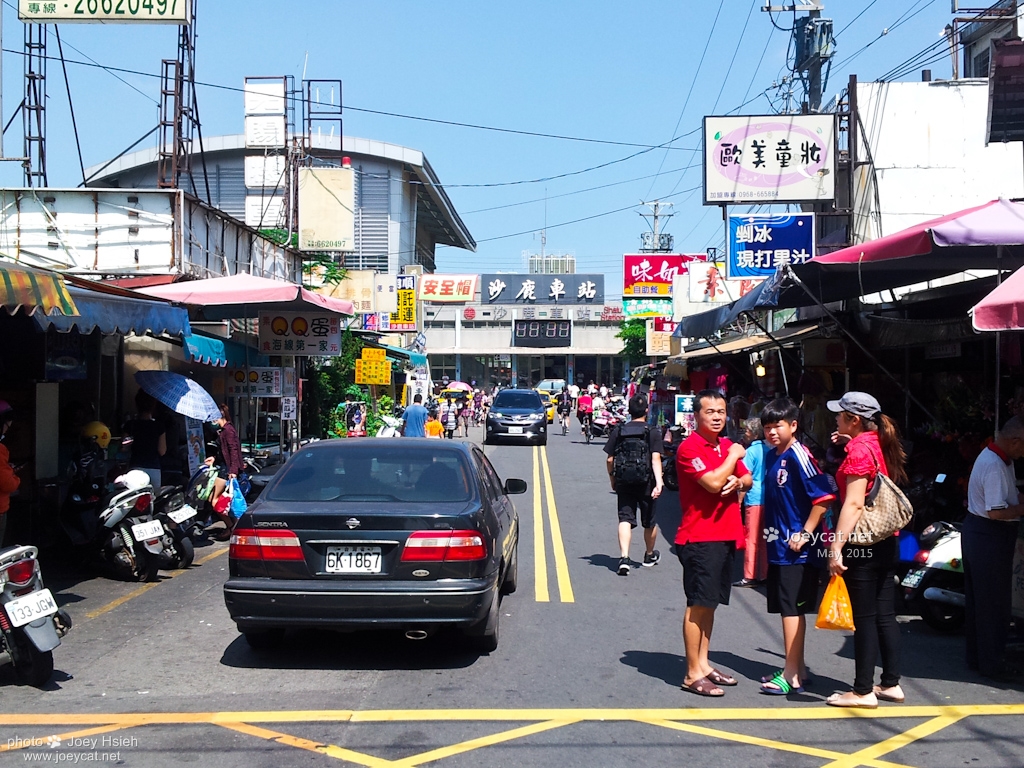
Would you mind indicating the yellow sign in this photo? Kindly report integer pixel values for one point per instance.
(373, 372)
(374, 354)
(405, 318)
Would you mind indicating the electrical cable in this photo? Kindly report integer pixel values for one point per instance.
(887, 30)
(854, 20)
(71, 104)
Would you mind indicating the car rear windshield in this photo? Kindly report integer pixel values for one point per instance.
(517, 400)
(371, 471)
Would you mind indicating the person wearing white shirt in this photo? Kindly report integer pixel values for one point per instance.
(989, 538)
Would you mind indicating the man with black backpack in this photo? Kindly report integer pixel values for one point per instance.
(634, 468)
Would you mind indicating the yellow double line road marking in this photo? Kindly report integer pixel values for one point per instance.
(540, 459)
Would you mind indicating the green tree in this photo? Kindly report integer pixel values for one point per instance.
(329, 379)
(633, 333)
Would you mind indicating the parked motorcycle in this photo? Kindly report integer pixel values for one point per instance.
(934, 586)
(181, 523)
(31, 624)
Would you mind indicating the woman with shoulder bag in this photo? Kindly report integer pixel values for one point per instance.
(872, 448)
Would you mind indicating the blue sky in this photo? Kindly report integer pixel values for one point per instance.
(612, 71)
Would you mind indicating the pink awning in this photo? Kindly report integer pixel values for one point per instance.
(1003, 309)
(243, 295)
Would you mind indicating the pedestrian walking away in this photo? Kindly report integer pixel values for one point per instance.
(415, 418)
(634, 468)
(989, 537)
(872, 447)
(711, 473)
(796, 497)
(755, 561)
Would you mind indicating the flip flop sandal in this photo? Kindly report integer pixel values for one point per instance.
(806, 680)
(837, 700)
(882, 696)
(718, 678)
(703, 687)
(780, 686)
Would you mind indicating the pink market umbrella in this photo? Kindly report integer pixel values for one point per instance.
(1003, 308)
(460, 385)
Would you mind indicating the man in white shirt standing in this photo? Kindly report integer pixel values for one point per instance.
(989, 539)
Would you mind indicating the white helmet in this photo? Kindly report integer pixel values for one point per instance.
(134, 480)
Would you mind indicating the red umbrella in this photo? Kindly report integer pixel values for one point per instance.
(1003, 309)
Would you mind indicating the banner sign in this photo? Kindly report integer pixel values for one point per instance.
(647, 307)
(708, 285)
(651, 274)
(447, 288)
(769, 159)
(262, 382)
(542, 289)
(196, 444)
(300, 333)
(760, 243)
(405, 318)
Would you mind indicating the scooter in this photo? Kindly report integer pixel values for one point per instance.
(181, 523)
(31, 624)
(602, 424)
(391, 428)
(934, 586)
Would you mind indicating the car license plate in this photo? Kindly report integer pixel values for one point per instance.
(154, 529)
(913, 578)
(515, 430)
(31, 607)
(353, 559)
(181, 514)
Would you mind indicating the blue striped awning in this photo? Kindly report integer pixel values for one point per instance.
(210, 350)
(117, 314)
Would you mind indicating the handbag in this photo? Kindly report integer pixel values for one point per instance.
(886, 510)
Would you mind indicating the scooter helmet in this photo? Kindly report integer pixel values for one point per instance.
(98, 431)
(134, 479)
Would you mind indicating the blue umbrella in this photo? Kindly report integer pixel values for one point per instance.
(180, 394)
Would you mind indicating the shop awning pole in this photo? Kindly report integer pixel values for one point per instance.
(906, 390)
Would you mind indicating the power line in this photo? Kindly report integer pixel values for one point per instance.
(903, 19)
(851, 23)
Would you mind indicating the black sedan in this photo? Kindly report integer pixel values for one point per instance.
(517, 415)
(404, 533)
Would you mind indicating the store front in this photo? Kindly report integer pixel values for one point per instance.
(599, 369)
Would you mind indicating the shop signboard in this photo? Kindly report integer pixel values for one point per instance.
(370, 371)
(256, 382)
(647, 307)
(300, 333)
(686, 415)
(196, 444)
(385, 299)
(708, 285)
(289, 408)
(447, 289)
(651, 274)
(659, 341)
(542, 289)
(769, 159)
(65, 357)
(357, 287)
(405, 318)
(761, 243)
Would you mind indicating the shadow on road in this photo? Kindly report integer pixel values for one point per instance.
(669, 667)
(603, 561)
(379, 650)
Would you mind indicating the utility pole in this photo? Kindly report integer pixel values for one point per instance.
(814, 46)
(656, 241)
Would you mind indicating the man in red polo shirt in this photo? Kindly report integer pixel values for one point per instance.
(711, 472)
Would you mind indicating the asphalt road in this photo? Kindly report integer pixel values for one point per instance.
(587, 672)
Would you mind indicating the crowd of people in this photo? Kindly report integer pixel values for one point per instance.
(798, 527)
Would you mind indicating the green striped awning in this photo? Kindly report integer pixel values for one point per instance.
(33, 289)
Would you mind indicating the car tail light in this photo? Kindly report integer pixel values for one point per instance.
(142, 503)
(21, 572)
(922, 556)
(248, 544)
(444, 546)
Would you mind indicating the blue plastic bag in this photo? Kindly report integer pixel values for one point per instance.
(238, 504)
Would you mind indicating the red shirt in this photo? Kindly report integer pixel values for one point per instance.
(863, 459)
(706, 516)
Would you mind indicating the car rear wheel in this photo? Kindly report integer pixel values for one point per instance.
(511, 582)
(484, 636)
(264, 639)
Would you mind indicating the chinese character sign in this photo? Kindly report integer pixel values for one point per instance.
(404, 319)
(447, 288)
(300, 333)
(761, 243)
(260, 382)
(542, 289)
(709, 286)
(776, 158)
(651, 274)
(686, 415)
(373, 371)
(647, 308)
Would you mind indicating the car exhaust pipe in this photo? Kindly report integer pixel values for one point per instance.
(937, 595)
(416, 634)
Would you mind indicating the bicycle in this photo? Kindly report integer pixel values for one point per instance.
(564, 418)
(585, 422)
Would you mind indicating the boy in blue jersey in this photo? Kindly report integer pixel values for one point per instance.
(796, 496)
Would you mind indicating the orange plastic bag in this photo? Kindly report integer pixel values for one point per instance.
(835, 611)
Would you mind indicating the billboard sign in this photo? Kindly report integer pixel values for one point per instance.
(542, 289)
(300, 333)
(447, 289)
(327, 203)
(647, 308)
(106, 11)
(405, 318)
(760, 243)
(651, 274)
(263, 211)
(709, 286)
(769, 159)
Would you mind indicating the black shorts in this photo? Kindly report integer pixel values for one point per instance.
(631, 498)
(793, 589)
(707, 572)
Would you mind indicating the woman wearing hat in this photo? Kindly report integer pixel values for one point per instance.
(872, 446)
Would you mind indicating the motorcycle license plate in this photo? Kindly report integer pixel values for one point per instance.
(182, 514)
(154, 529)
(31, 607)
(515, 430)
(353, 559)
(912, 579)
